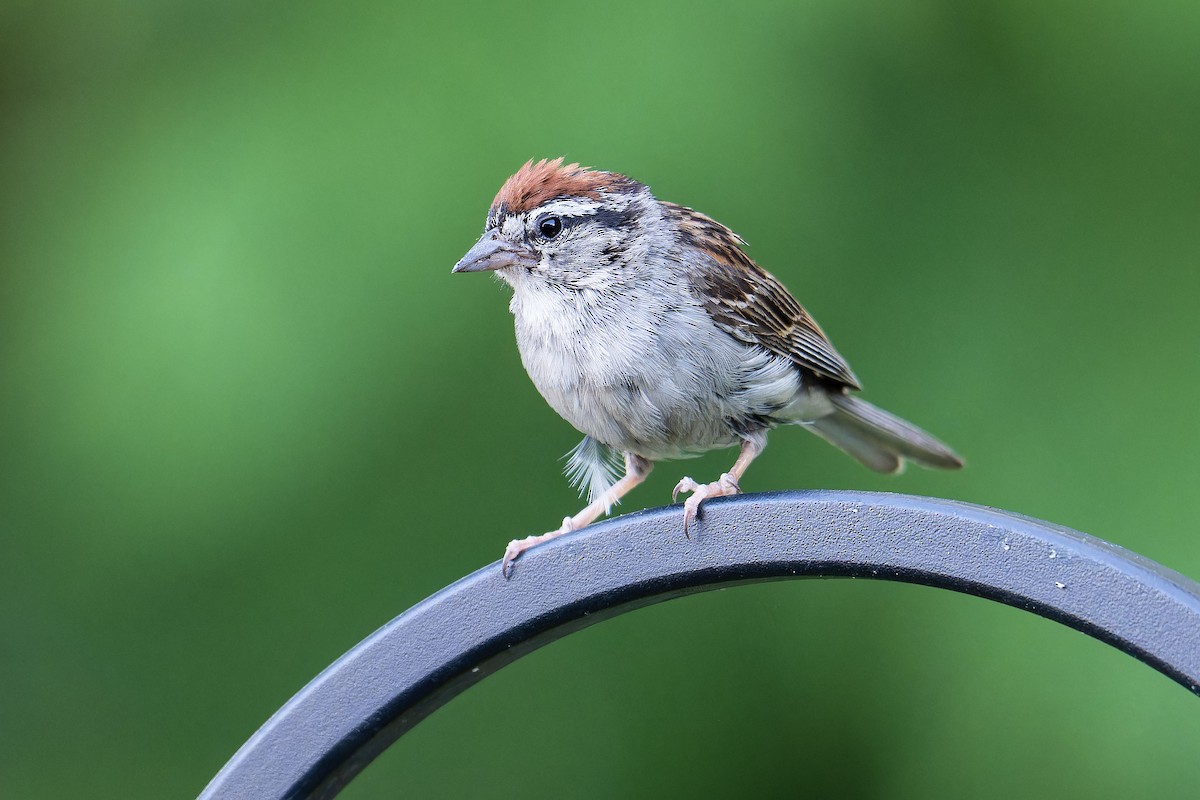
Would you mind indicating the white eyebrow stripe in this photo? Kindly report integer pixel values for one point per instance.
(567, 207)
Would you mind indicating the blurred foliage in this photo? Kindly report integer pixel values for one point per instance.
(247, 415)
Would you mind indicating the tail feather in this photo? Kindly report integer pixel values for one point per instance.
(879, 440)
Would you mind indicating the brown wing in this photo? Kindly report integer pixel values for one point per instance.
(751, 304)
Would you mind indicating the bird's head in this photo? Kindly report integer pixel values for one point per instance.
(565, 225)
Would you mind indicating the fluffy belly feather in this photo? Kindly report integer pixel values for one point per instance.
(622, 385)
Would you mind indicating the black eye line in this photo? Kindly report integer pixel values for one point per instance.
(565, 223)
(603, 218)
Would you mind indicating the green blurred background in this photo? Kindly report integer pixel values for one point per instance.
(247, 415)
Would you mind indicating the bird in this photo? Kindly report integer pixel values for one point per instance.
(648, 328)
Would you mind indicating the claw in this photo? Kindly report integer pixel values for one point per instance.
(510, 555)
(513, 552)
(518, 546)
(722, 487)
(684, 485)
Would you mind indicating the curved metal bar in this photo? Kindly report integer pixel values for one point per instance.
(368, 698)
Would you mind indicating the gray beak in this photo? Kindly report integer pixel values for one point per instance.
(494, 252)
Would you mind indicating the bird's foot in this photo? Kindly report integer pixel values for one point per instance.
(722, 487)
(518, 546)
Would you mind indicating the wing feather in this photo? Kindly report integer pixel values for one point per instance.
(752, 305)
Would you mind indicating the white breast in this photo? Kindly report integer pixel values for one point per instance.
(645, 371)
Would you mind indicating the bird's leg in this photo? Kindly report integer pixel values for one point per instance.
(727, 484)
(636, 470)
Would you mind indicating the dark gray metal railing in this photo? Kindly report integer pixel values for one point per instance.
(356, 708)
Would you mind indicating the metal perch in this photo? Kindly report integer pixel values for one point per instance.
(356, 708)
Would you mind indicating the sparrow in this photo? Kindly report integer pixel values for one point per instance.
(646, 326)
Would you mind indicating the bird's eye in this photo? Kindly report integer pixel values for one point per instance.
(549, 227)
